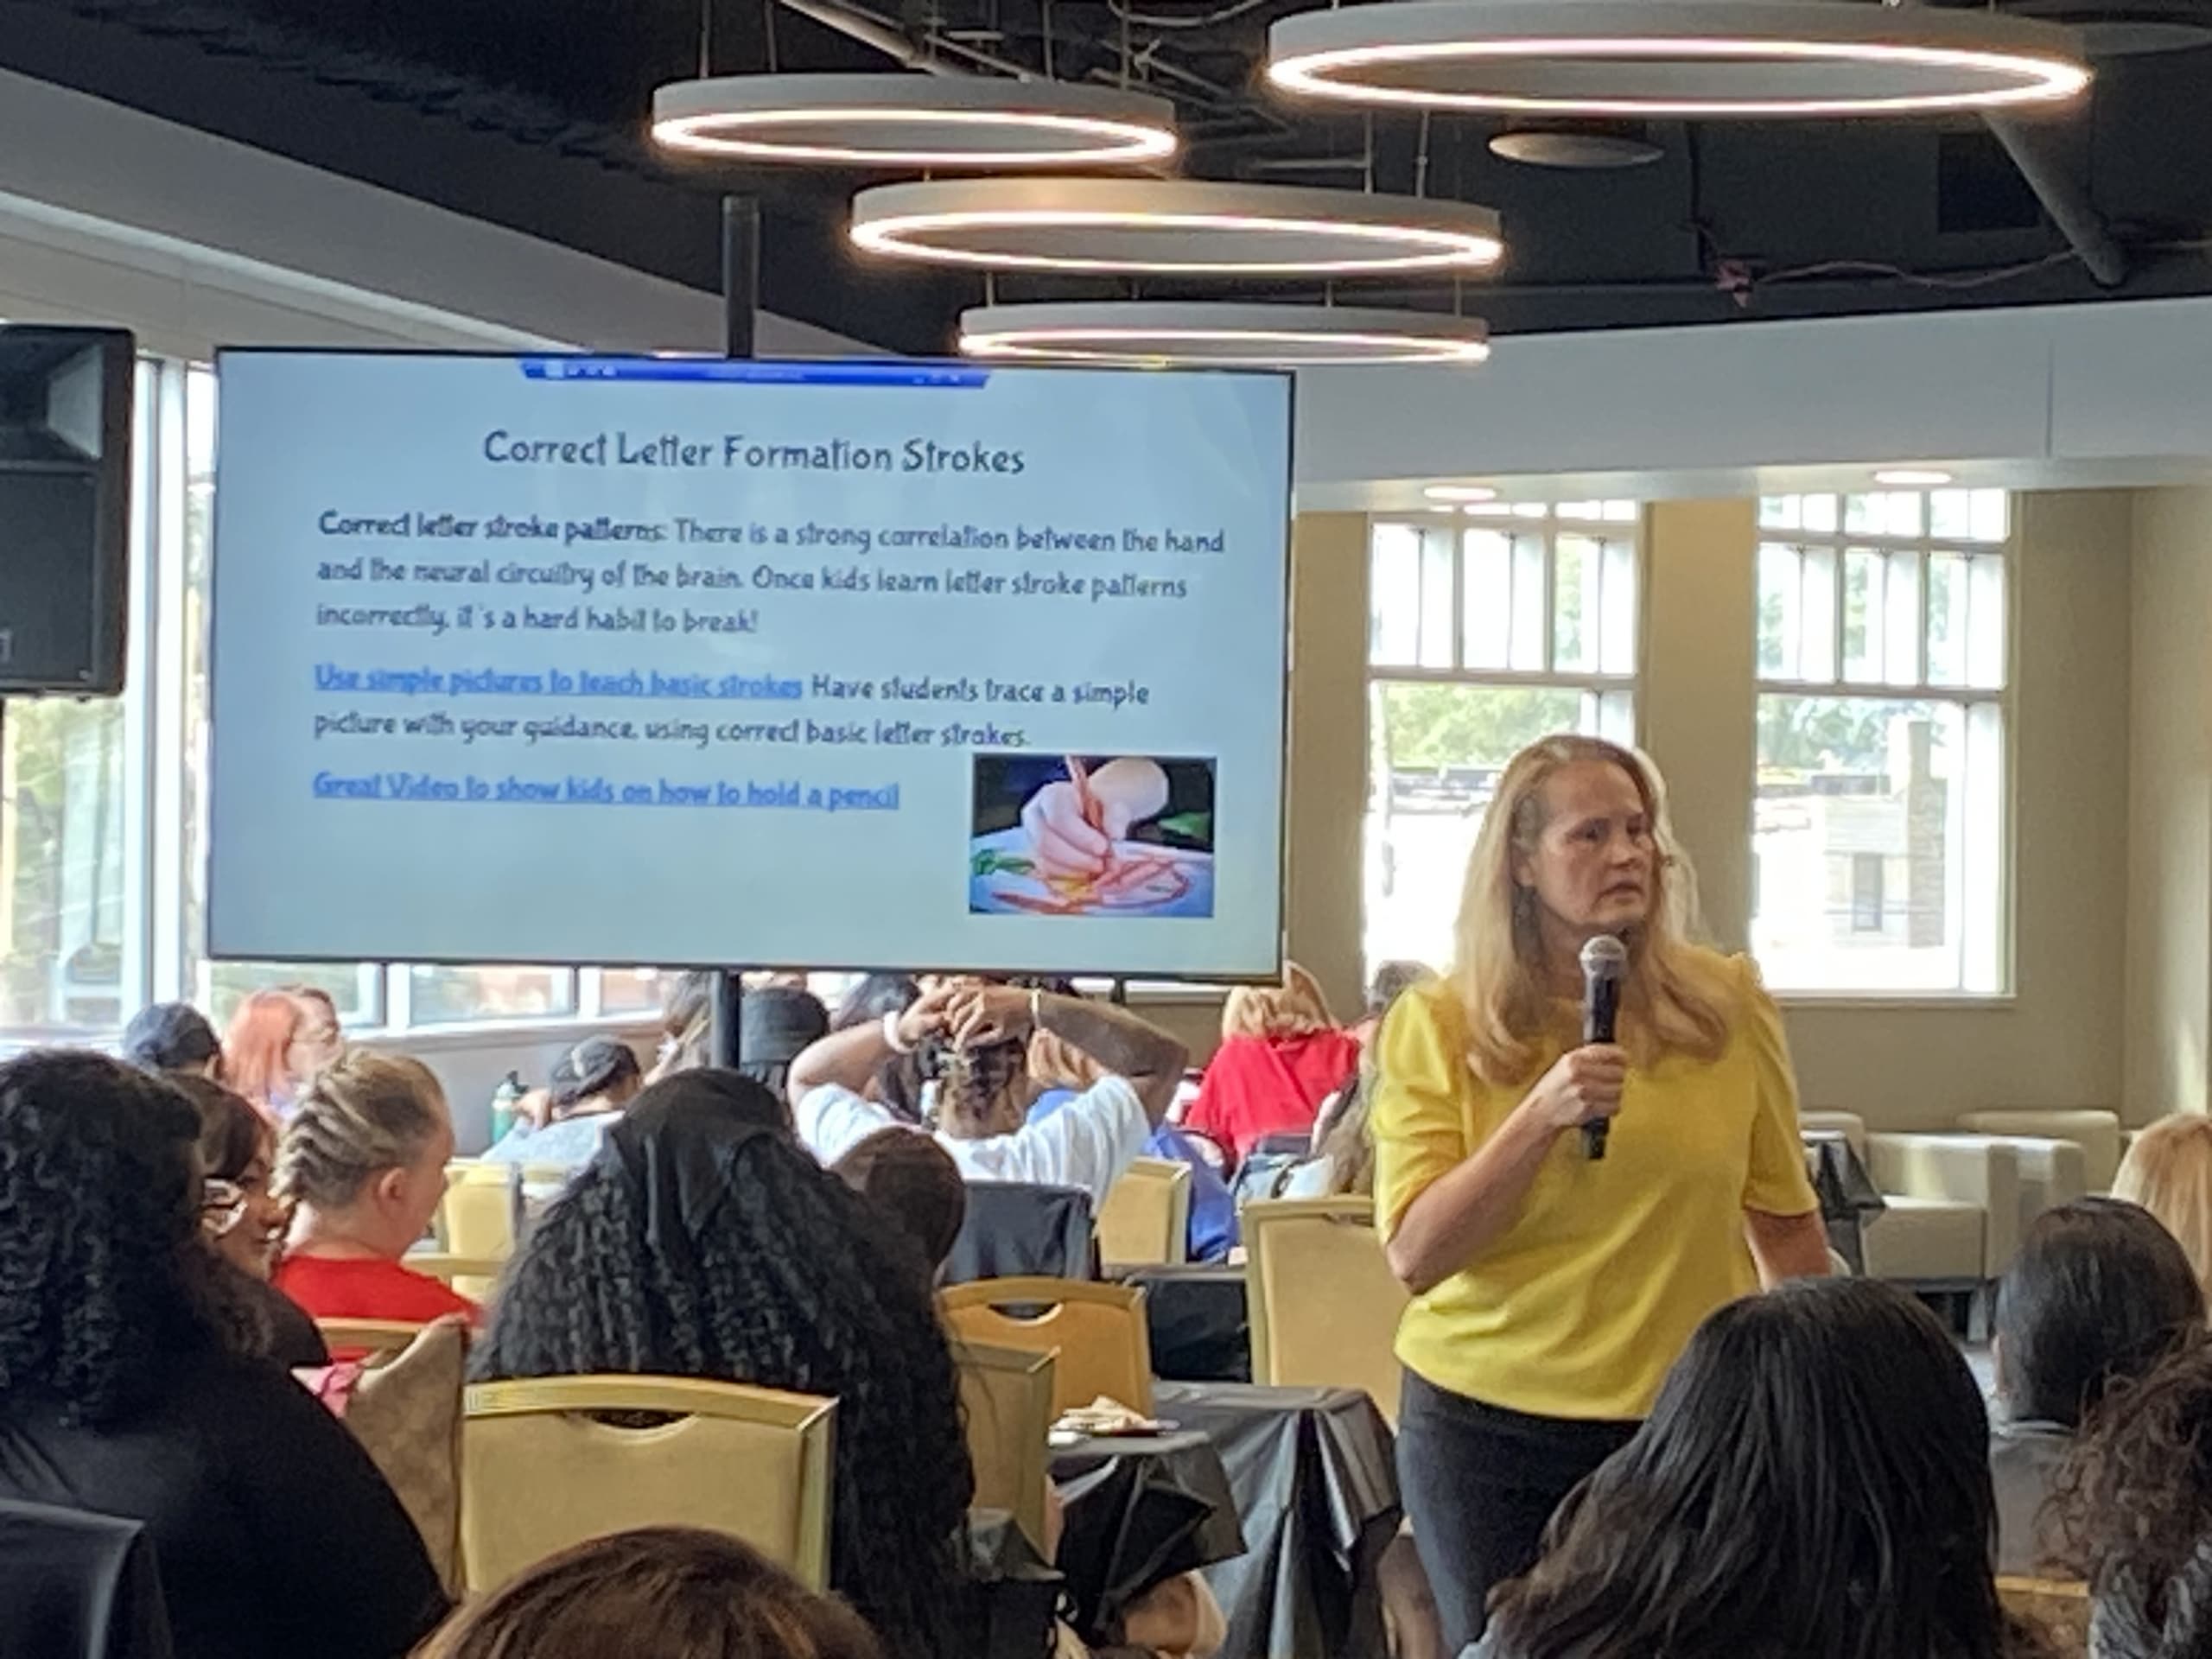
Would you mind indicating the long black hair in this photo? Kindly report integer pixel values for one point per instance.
(1812, 1484)
(105, 1278)
(2098, 1293)
(704, 1242)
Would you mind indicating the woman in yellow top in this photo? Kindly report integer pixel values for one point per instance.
(1552, 1293)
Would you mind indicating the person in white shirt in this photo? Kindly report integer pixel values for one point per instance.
(973, 1038)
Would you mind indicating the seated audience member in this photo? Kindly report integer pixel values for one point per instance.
(243, 1216)
(173, 1037)
(1392, 980)
(2135, 1504)
(875, 995)
(776, 1025)
(128, 1386)
(913, 1180)
(1812, 1483)
(2098, 1294)
(1212, 1231)
(2168, 1171)
(364, 1159)
(704, 1242)
(1279, 1058)
(591, 1085)
(686, 1017)
(1343, 1164)
(670, 1593)
(277, 1042)
(978, 1045)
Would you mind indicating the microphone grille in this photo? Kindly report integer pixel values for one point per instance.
(1604, 957)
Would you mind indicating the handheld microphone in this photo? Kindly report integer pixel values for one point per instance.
(1604, 963)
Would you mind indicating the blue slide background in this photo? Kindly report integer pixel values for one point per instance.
(695, 791)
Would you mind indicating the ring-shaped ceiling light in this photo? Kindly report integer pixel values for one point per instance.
(1675, 58)
(902, 120)
(1176, 226)
(1153, 333)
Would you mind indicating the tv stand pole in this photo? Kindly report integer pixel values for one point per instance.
(741, 306)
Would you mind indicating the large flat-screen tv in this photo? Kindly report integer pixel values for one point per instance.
(682, 661)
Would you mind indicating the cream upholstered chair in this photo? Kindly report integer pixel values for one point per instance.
(370, 1339)
(2059, 1608)
(473, 1276)
(1325, 1305)
(482, 1213)
(1098, 1330)
(1145, 1219)
(1953, 1202)
(541, 1469)
(1006, 1397)
(2096, 1132)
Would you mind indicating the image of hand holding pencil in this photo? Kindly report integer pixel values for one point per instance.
(1127, 835)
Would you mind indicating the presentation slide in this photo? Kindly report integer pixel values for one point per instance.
(687, 662)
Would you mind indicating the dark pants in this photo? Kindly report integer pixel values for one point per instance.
(1480, 1482)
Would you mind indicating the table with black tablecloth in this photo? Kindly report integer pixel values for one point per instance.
(1314, 1479)
(1197, 1321)
(1139, 1510)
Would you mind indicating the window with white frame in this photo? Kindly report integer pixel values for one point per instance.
(103, 808)
(1488, 628)
(1879, 821)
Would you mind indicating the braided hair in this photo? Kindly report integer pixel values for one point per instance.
(367, 1113)
(795, 1282)
(105, 1278)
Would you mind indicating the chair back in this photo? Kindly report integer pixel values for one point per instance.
(1015, 1230)
(2057, 1607)
(482, 1213)
(1005, 1399)
(1325, 1306)
(74, 1584)
(1098, 1330)
(372, 1340)
(1146, 1220)
(542, 1469)
(473, 1276)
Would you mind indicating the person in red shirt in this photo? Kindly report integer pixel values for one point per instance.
(1281, 1055)
(364, 1159)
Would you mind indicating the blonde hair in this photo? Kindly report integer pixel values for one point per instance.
(366, 1113)
(2169, 1172)
(1290, 1009)
(1670, 999)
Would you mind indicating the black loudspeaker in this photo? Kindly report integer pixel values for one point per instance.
(65, 508)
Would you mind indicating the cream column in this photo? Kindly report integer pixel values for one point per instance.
(1695, 705)
(1324, 797)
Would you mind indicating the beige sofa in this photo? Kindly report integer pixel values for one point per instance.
(2096, 1132)
(1953, 1214)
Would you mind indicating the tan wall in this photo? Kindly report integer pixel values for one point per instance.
(2169, 805)
(2058, 1041)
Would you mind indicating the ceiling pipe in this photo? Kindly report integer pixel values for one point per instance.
(928, 56)
(2063, 197)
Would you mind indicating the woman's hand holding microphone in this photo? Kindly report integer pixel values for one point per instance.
(1583, 1087)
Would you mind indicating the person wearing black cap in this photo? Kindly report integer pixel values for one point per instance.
(591, 1085)
(776, 1025)
(173, 1037)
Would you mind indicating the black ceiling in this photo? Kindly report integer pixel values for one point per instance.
(531, 114)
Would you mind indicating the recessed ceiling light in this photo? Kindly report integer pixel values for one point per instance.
(903, 120)
(1674, 59)
(1178, 227)
(1910, 478)
(1460, 492)
(1144, 332)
